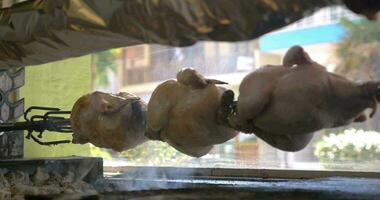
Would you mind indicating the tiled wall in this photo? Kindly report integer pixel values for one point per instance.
(11, 108)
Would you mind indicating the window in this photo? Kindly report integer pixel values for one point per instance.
(325, 16)
(139, 69)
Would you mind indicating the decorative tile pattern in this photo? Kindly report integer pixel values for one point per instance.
(11, 108)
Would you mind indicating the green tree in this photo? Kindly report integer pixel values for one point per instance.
(350, 149)
(359, 50)
(104, 61)
(359, 55)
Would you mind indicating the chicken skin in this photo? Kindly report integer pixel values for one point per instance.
(109, 121)
(190, 113)
(284, 104)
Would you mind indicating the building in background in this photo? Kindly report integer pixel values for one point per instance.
(317, 34)
(141, 68)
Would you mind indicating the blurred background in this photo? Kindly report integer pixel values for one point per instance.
(334, 37)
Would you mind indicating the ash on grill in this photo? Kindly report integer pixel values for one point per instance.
(16, 184)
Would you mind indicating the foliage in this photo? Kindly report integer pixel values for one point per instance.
(351, 146)
(105, 62)
(360, 46)
(155, 153)
(98, 152)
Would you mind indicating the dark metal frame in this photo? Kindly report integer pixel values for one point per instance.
(52, 120)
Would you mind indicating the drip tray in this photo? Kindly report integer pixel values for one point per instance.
(212, 193)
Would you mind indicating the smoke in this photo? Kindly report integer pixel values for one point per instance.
(148, 178)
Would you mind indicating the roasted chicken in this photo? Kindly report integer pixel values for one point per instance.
(109, 121)
(284, 104)
(190, 113)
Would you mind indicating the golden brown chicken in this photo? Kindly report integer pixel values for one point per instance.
(109, 121)
(190, 113)
(285, 104)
